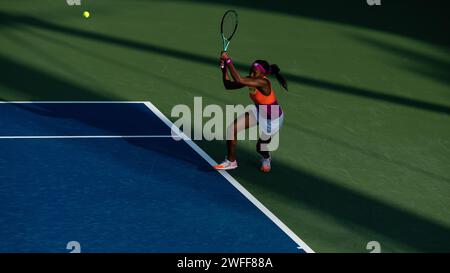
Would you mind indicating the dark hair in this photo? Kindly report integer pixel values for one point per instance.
(273, 69)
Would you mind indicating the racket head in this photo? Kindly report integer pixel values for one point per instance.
(228, 27)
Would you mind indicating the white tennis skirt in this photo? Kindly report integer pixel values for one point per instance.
(267, 126)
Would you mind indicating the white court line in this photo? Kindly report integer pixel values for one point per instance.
(99, 136)
(233, 181)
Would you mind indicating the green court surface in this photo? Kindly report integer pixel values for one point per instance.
(365, 150)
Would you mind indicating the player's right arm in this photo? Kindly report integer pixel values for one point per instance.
(227, 83)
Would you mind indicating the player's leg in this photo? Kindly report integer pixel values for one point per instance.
(239, 124)
(242, 122)
(269, 129)
(264, 154)
(266, 158)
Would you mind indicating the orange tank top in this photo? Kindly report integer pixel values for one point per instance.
(259, 98)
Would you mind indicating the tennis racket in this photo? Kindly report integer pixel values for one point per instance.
(228, 27)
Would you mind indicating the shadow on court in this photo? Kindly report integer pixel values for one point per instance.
(299, 186)
(343, 205)
(372, 154)
(135, 69)
(434, 68)
(422, 20)
(41, 86)
(11, 20)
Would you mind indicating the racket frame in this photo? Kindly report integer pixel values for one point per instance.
(225, 40)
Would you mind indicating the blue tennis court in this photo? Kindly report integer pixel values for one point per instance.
(110, 176)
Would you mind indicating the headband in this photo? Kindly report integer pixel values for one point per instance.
(259, 67)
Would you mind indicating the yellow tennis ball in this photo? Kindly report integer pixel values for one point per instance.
(86, 14)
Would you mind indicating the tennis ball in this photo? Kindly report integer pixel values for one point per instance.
(86, 14)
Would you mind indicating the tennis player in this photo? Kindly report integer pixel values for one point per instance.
(263, 96)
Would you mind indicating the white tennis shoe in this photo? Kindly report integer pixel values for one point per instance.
(226, 165)
(266, 164)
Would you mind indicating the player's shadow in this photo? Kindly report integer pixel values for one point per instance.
(12, 20)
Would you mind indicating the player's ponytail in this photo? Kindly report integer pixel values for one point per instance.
(270, 69)
(275, 70)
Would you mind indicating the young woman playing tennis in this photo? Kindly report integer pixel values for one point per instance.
(263, 95)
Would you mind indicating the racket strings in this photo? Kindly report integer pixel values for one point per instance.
(229, 24)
